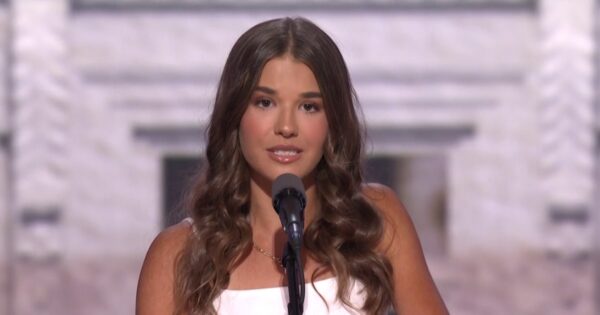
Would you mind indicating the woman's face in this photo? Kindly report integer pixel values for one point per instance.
(284, 128)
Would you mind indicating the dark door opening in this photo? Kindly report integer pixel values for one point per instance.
(420, 182)
(177, 175)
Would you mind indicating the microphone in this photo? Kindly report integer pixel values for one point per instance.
(289, 201)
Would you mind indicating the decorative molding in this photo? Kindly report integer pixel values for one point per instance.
(398, 139)
(576, 214)
(566, 102)
(567, 129)
(337, 6)
(169, 135)
(49, 215)
(149, 77)
(120, 77)
(40, 101)
(5, 138)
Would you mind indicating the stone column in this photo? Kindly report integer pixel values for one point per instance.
(40, 99)
(4, 214)
(565, 106)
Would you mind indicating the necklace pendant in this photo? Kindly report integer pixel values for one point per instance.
(277, 260)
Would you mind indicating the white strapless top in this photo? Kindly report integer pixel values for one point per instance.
(273, 301)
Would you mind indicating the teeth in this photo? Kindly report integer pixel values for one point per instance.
(285, 153)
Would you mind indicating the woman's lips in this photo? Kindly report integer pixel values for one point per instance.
(284, 154)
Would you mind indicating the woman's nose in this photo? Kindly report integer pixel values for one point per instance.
(286, 125)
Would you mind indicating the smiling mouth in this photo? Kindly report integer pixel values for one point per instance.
(285, 152)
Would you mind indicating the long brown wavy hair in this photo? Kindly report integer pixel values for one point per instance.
(345, 232)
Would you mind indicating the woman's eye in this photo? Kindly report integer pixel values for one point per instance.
(263, 102)
(310, 107)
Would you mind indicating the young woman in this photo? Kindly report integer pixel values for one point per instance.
(285, 104)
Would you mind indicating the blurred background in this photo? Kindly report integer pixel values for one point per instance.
(481, 114)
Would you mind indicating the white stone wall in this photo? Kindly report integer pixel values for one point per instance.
(456, 62)
(495, 201)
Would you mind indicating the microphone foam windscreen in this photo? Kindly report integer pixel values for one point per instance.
(287, 180)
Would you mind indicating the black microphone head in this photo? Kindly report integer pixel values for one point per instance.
(289, 201)
(287, 180)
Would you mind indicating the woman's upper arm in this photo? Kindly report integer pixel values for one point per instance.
(415, 291)
(155, 285)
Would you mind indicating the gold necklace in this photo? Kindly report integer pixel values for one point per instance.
(265, 252)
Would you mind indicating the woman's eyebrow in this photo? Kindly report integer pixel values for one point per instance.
(266, 90)
(311, 95)
(270, 91)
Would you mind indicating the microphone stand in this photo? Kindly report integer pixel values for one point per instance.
(295, 273)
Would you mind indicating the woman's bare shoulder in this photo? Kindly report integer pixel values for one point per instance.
(170, 241)
(376, 191)
(385, 200)
(155, 285)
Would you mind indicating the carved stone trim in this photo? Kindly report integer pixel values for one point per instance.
(40, 99)
(119, 77)
(566, 111)
(266, 5)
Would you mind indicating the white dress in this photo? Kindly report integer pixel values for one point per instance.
(273, 301)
